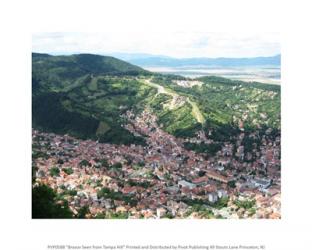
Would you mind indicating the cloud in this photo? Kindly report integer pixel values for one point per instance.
(177, 44)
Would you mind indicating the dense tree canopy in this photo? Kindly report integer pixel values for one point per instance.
(45, 205)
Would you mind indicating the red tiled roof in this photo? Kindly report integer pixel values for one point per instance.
(127, 190)
(214, 175)
(200, 180)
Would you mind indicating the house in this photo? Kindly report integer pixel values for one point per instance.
(220, 168)
(106, 180)
(200, 181)
(121, 209)
(187, 184)
(172, 189)
(213, 197)
(261, 183)
(218, 177)
(40, 174)
(161, 212)
(94, 197)
(154, 164)
(222, 193)
(129, 190)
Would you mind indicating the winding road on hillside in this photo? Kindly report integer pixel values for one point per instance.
(162, 90)
(196, 112)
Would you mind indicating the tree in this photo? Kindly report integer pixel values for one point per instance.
(223, 202)
(231, 184)
(68, 171)
(201, 173)
(45, 205)
(82, 212)
(60, 161)
(84, 163)
(246, 204)
(141, 163)
(54, 171)
(117, 165)
(104, 163)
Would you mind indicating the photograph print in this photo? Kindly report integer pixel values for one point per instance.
(156, 126)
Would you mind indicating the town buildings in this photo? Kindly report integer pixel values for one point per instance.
(162, 179)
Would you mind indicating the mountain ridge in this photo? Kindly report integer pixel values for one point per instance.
(145, 60)
(89, 63)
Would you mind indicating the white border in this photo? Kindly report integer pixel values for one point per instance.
(21, 18)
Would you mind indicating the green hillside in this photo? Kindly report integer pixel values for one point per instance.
(84, 95)
(62, 71)
(225, 102)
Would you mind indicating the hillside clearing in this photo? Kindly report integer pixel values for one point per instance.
(176, 100)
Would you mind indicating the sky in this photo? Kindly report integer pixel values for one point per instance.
(175, 44)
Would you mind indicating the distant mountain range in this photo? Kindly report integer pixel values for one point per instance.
(147, 60)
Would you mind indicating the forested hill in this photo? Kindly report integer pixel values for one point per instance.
(85, 96)
(73, 66)
(82, 94)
